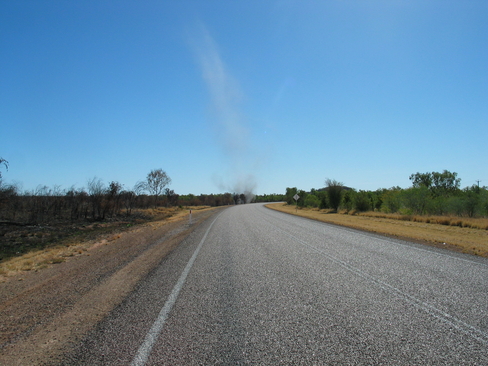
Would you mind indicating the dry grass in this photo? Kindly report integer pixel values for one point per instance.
(37, 260)
(468, 222)
(80, 245)
(461, 234)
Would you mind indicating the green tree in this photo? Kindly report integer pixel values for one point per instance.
(417, 199)
(445, 183)
(484, 201)
(377, 199)
(471, 200)
(362, 201)
(442, 187)
(334, 193)
(439, 184)
(348, 199)
(303, 196)
(290, 192)
(392, 200)
(312, 201)
(421, 179)
(322, 195)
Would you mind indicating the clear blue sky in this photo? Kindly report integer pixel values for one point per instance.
(225, 95)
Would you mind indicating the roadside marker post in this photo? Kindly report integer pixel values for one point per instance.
(189, 222)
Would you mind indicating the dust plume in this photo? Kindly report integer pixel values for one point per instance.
(227, 118)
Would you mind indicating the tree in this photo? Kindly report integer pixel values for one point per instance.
(439, 184)
(129, 198)
(171, 196)
(96, 191)
(312, 200)
(290, 192)
(421, 179)
(347, 200)
(392, 199)
(113, 197)
(302, 197)
(445, 183)
(155, 183)
(417, 199)
(334, 193)
(362, 201)
(323, 200)
(471, 200)
(4, 162)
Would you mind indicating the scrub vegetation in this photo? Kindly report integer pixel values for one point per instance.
(431, 194)
(434, 210)
(48, 217)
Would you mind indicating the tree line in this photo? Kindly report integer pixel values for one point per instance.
(431, 193)
(98, 201)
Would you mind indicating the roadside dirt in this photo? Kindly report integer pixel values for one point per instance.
(43, 312)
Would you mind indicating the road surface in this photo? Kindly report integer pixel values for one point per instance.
(255, 286)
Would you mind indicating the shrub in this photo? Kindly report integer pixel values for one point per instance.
(391, 200)
(323, 201)
(334, 193)
(312, 200)
(362, 201)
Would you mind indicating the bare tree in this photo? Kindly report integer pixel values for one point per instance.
(129, 198)
(113, 197)
(4, 162)
(171, 197)
(155, 183)
(96, 191)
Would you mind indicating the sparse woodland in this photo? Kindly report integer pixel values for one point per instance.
(98, 201)
(48, 215)
(432, 193)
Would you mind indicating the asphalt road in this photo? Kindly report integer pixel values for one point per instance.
(255, 286)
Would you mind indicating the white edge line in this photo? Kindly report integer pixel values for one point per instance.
(460, 325)
(396, 241)
(145, 349)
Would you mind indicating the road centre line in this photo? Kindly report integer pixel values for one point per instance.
(152, 336)
(460, 325)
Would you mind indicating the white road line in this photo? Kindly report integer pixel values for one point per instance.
(152, 336)
(378, 237)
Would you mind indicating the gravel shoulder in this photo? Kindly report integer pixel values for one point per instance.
(44, 312)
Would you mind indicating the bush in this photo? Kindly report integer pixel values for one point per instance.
(290, 192)
(323, 200)
(312, 201)
(334, 193)
(362, 201)
(391, 200)
(417, 199)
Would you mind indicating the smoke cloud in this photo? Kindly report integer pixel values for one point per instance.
(227, 117)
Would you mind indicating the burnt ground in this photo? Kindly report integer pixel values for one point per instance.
(45, 312)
